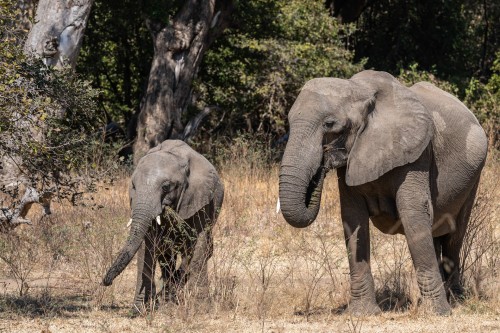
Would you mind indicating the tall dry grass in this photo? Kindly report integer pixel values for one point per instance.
(261, 268)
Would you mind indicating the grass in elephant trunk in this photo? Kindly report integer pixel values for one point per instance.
(264, 275)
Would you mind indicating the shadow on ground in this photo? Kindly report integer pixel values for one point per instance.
(45, 305)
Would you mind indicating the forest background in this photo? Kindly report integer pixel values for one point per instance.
(254, 71)
(250, 75)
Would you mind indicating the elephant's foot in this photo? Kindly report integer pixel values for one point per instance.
(363, 307)
(169, 297)
(443, 309)
(439, 307)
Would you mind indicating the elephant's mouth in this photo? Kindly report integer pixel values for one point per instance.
(170, 216)
(334, 156)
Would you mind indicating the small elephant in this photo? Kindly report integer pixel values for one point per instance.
(175, 198)
(408, 159)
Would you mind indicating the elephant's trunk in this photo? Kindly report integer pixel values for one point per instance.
(301, 184)
(140, 225)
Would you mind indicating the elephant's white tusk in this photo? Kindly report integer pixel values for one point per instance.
(158, 220)
(129, 223)
(278, 206)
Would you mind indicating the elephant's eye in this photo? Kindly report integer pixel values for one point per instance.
(329, 124)
(165, 188)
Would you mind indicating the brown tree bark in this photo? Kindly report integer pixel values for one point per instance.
(58, 31)
(178, 50)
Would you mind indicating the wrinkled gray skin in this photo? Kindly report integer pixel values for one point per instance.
(408, 159)
(170, 175)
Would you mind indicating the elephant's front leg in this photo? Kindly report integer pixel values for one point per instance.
(146, 262)
(170, 275)
(416, 213)
(357, 236)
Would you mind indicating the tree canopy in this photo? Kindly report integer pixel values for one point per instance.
(253, 71)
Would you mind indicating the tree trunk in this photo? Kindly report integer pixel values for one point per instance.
(179, 47)
(57, 33)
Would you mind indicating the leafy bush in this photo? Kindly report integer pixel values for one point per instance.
(484, 100)
(119, 66)
(413, 75)
(50, 125)
(456, 38)
(255, 71)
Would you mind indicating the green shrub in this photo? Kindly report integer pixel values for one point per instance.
(255, 71)
(50, 124)
(484, 100)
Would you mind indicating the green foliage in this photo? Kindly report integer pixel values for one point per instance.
(256, 70)
(484, 100)
(453, 38)
(116, 56)
(413, 75)
(161, 10)
(50, 124)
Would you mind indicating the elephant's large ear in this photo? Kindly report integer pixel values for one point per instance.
(203, 186)
(397, 129)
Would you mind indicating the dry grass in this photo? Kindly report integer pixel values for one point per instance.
(264, 275)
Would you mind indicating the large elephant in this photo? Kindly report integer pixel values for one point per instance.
(408, 159)
(175, 198)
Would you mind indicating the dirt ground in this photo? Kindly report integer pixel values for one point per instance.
(117, 320)
(70, 310)
(264, 275)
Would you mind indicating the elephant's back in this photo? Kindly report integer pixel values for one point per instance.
(457, 132)
(450, 108)
(459, 146)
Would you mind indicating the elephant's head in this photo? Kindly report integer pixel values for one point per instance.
(369, 124)
(169, 175)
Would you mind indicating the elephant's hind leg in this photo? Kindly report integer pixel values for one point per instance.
(452, 245)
